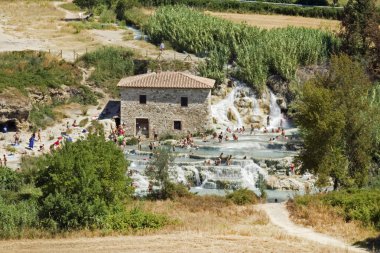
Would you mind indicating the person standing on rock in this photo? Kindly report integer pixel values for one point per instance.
(31, 141)
(17, 138)
(252, 129)
(162, 47)
(268, 121)
(139, 143)
(220, 137)
(39, 135)
(5, 160)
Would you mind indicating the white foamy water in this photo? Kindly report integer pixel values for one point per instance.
(220, 110)
(250, 175)
(227, 105)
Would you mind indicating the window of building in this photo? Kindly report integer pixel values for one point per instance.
(177, 125)
(142, 99)
(184, 101)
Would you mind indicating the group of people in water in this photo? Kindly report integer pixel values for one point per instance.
(226, 160)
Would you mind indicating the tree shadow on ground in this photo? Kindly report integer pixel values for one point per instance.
(371, 244)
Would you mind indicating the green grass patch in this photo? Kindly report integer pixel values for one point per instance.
(36, 69)
(88, 25)
(70, 7)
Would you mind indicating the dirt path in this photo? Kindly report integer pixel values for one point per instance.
(68, 14)
(279, 216)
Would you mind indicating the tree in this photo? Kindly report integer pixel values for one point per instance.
(337, 123)
(122, 6)
(160, 172)
(82, 183)
(361, 32)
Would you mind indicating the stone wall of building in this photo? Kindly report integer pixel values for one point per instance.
(163, 107)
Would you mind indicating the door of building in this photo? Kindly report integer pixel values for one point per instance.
(142, 127)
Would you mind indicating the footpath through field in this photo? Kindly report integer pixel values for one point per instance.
(279, 216)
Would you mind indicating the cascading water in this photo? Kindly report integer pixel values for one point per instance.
(137, 34)
(250, 175)
(226, 106)
(227, 114)
(276, 117)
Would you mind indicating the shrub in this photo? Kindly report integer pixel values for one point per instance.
(41, 116)
(135, 219)
(9, 179)
(353, 204)
(132, 141)
(107, 16)
(83, 183)
(83, 122)
(243, 197)
(85, 96)
(123, 5)
(136, 17)
(10, 149)
(171, 191)
(84, 110)
(168, 136)
(110, 64)
(16, 217)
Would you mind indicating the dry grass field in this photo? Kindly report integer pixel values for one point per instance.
(276, 21)
(199, 225)
(325, 220)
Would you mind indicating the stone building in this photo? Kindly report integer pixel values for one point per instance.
(165, 102)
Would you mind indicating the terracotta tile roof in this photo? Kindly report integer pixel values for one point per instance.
(179, 80)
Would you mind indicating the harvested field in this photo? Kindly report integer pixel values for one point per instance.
(276, 21)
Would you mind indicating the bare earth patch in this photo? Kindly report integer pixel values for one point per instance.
(276, 21)
(37, 25)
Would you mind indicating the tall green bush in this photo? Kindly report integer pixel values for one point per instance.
(80, 187)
